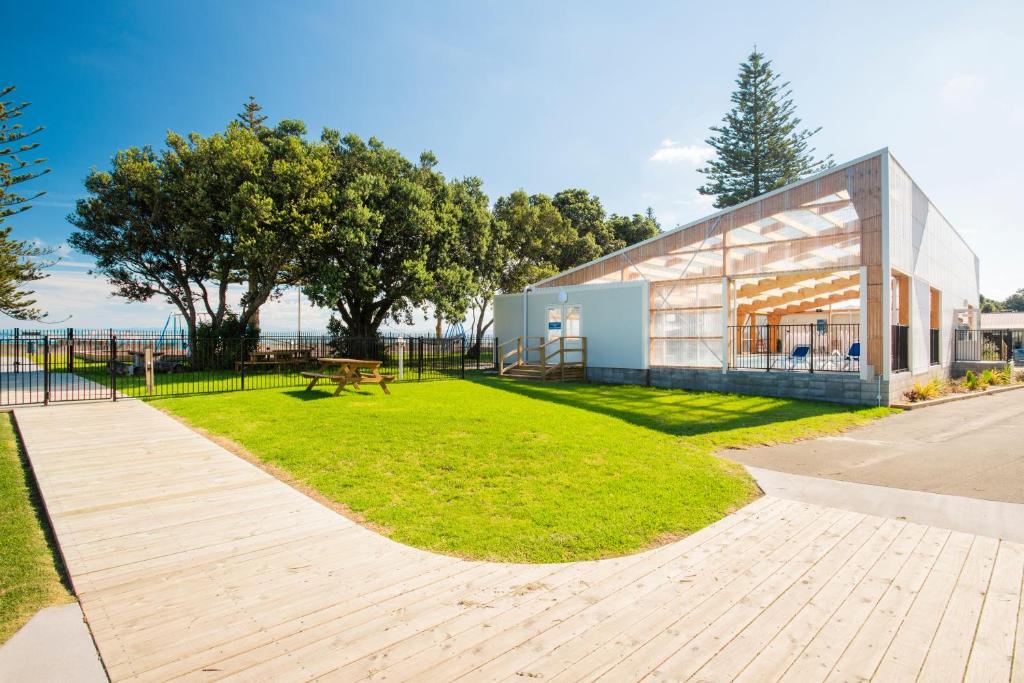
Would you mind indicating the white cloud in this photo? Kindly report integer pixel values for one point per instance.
(672, 152)
(962, 89)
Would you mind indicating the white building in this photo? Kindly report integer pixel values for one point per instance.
(845, 286)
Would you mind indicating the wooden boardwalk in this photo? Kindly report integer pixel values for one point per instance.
(189, 562)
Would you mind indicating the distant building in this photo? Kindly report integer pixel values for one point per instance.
(1010, 320)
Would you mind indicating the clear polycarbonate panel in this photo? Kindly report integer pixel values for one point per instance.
(698, 323)
(702, 353)
(686, 294)
(815, 224)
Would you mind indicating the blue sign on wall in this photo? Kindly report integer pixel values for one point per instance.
(555, 325)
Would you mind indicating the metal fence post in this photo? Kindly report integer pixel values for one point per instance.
(71, 349)
(419, 377)
(113, 367)
(813, 332)
(46, 370)
(401, 358)
(241, 360)
(462, 340)
(17, 349)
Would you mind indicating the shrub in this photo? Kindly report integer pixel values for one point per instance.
(971, 381)
(987, 378)
(221, 349)
(1003, 376)
(925, 392)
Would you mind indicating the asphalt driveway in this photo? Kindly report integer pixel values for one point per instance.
(972, 448)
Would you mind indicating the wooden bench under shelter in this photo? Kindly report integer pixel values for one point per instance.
(350, 371)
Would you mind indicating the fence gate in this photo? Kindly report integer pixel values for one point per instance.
(43, 368)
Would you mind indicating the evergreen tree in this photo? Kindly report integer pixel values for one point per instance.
(250, 116)
(759, 146)
(19, 261)
(252, 120)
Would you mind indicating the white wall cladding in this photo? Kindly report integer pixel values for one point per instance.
(924, 245)
(613, 318)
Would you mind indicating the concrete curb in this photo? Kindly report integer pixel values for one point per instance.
(970, 515)
(991, 391)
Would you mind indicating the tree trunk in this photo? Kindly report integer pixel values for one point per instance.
(254, 319)
(438, 332)
(480, 329)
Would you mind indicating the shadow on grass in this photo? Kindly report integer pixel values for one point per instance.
(672, 411)
(315, 395)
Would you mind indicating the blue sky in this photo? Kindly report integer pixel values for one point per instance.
(612, 97)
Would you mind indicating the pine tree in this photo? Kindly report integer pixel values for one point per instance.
(252, 120)
(759, 146)
(250, 115)
(20, 262)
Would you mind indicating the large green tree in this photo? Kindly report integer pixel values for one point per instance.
(252, 118)
(20, 261)
(387, 247)
(1014, 302)
(202, 214)
(990, 305)
(760, 145)
(461, 260)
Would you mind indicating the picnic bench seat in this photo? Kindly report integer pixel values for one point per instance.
(350, 372)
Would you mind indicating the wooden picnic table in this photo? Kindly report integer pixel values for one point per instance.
(352, 371)
(276, 357)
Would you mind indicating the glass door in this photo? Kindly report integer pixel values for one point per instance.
(572, 326)
(554, 320)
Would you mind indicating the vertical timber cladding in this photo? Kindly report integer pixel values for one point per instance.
(865, 182)
(830, 223)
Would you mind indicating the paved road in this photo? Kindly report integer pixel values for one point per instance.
(189, 561)
(972, 448)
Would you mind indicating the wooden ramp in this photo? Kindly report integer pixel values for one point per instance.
(189, 562)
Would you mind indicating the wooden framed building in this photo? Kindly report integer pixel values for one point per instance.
(845, 286)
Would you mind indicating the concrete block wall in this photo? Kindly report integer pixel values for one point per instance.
(901, 382)
(960, 368)
(832, 387)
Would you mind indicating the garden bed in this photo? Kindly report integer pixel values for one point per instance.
(936, 391)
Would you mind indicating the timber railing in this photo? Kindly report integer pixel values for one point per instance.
(557, 358)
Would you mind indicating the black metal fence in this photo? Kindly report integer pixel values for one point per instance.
(94, 364)
(815, 347)
(989, 345)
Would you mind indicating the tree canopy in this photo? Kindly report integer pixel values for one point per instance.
(759, 146)
(20, 262)
(202, 214)
(363, 230)
(1014, 302)
(392, 240)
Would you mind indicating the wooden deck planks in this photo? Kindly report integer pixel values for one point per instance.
(190, 562)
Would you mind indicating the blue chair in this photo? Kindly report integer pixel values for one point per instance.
(799, 355)
(852, 355)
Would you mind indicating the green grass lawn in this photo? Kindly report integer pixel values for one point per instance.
(495, 469)
(29, 578)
